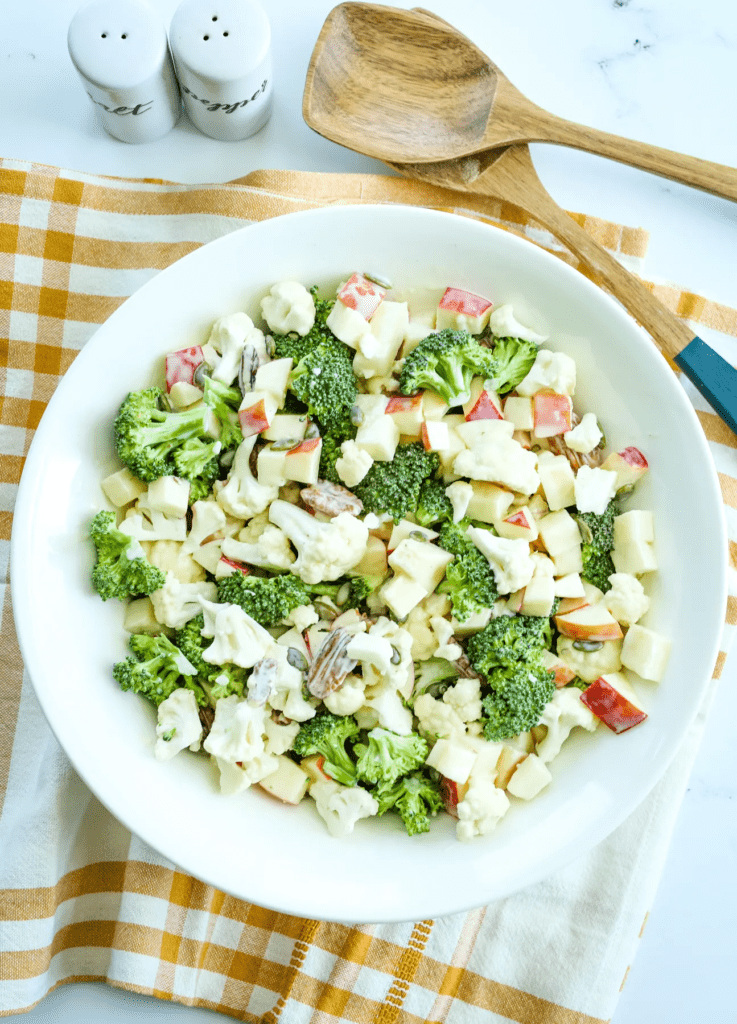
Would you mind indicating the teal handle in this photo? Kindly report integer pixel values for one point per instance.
(713, 376)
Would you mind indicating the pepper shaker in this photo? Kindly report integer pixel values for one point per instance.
(120, 50)
(222, 55)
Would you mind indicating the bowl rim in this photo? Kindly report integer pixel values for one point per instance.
(22, 597)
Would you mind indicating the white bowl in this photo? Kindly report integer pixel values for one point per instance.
(250, 845)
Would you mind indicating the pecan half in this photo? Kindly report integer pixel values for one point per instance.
(331, 664)
(331, 499)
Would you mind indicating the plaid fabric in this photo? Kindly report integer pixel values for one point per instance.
(82, 899)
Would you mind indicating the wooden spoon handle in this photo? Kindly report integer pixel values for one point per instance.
(688, 170)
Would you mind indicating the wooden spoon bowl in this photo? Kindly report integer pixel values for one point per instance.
(404, 85)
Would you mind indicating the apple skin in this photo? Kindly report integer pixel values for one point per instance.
(362, 295)
(452, 793)
(435, 436)
(254, 419)
(570, 604)
(237, 566)
(551, 413)
(611, 707)
(591, 622)
(181, 365)
(461, 309)
(483, 406)
(407, 413)
(629, 465)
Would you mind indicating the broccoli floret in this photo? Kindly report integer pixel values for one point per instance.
(267, 599)
(359, 588)
(224, 402)
(341, 430)
(415, 798)
(597, 533)
(433, 504)
(394, 487)
(294, 346)
(387, 755)
(155, 669)
(507, 641)
(324, 380)
(216, 680)
(146, 436)
(517, 699)
(196, 460)
(327, 734)
(445, 363)
(469, 579)
(513, 359)
(115, 573)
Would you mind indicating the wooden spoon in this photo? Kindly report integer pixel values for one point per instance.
(424, 91)
(508, 174)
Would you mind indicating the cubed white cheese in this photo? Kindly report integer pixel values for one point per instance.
(645, 652)
(170, 495)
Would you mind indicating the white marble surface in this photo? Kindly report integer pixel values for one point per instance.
(664, 71)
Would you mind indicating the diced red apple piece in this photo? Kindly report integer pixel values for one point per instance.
(452, 793)
(613, 701)
(629, 465)
(312, 765)
(405, 528)
(518, 410)
(592, 622)
(407, 413)
(483, 404)
(563, 674)
(285, 426)
(514, 601)
(433, 406)
(435, 436)
(551, 413)
(270, 467)
(362, 295)
(373, 561)
(570, 604)
(273, 377)
(489, 502)
(539, 596)
(509, 758)
(302, 462)
(257, 412)
(181, 365)
(288, 783)
(462, 310)
(520, 523)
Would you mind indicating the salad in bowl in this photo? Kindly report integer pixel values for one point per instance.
(372, 554)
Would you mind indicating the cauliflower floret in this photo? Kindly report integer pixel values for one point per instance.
(594, 489)
(286, 694)
(176, 603)
(510, 560)
(401, 670)
(237, 738)
(228, 337)
(171, 556)
(501, 460)
(325, 551)
(289, 307)
(348, 698)
(391, 713)
(465, 699)
(564, 712)
(179, 724)
(144, 523)
(279, 738)
(553, 370)
(504, 324)
(371, 649)
(353, 463)
(238, 639)
(481, 809)
(589, 665)
(270, 551)
(443, 631)
(342, 806)
(302, 617)
(585, 437)
(242, 495)
(459, 493)
(255, 526)
(438, 720)
(627, 600)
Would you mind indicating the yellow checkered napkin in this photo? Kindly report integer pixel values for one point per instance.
(82, 899)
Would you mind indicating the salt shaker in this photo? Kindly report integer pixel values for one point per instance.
(120, 49)
(222, 55)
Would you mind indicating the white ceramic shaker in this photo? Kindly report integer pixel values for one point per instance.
(222, 55)
(120, 49)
